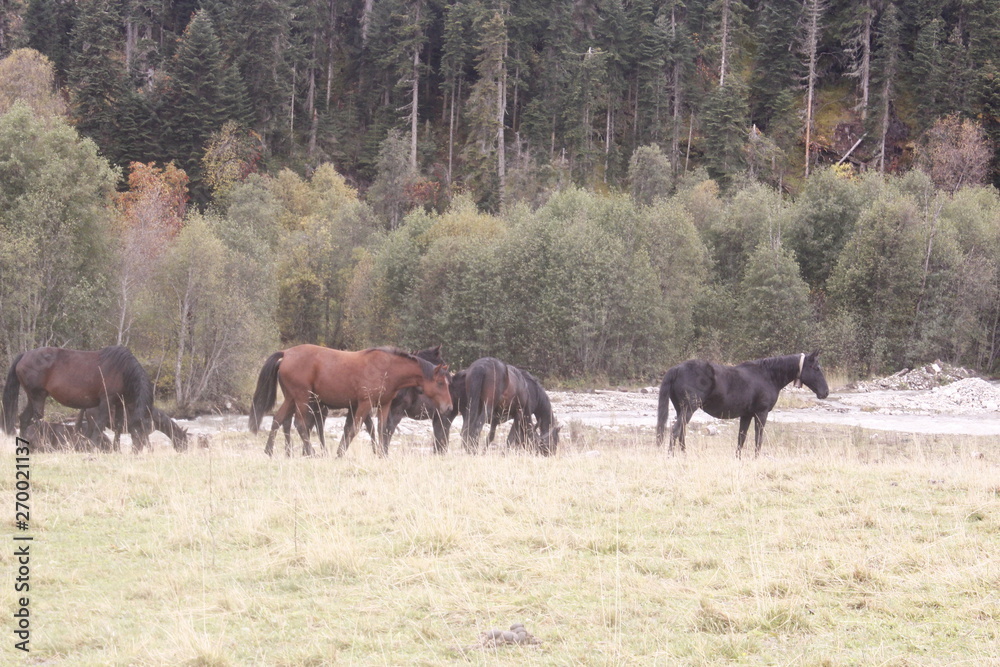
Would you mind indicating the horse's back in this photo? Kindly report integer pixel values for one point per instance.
(71, 377)
(340, 377)
(725, 392)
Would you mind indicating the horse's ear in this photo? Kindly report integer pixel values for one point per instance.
(437, 350)
(441, 368)
(814, 354)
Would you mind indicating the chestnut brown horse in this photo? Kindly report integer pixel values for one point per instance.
(110, 379)
(409, 402)
(497, 392)
(362, 382)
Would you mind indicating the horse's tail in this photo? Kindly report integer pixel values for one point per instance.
(266, 393)
(474, 379)
(663, 407)
(10, 395)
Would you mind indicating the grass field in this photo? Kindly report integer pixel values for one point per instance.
(834, 548)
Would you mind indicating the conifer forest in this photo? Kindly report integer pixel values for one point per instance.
(595, 189)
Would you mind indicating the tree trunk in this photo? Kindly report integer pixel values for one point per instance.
(501, 115)
(725, 42)
(291, 106)
(414, 98)
(365, 18)
(865, 67)
(676, 76)
(814, 10)
(311, 100)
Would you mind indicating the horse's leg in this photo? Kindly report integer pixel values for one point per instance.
(355, 417)
(441, 428)
(760, 419)
(277, 421)
(742, 436)
(518, 434)
(304, 426)
(679, 431)
(320, 414)
(286, 428)
(369, 424)
(33, 411)
(99, 420)
(493, 432)
(384, 426)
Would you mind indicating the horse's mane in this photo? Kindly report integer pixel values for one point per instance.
(134, 377)
(771, 362)
(543, 404)
(425, 366)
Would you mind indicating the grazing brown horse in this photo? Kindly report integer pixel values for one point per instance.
(497, 392)
(108, 380)
(362, 382)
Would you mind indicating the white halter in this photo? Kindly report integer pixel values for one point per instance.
(798, 378)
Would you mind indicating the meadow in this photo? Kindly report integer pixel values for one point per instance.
(835, 547)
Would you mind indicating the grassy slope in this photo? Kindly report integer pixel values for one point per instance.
(833, 549)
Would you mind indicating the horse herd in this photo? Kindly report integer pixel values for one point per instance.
(109, 387)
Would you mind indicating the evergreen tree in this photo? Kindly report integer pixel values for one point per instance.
(774, 82)
(986, 96)
(48, 29)
(257, 38)
(773, 291)
(485, 148)
(886, 65)
(96, 77)
(927, 73)
(725, 123)
(877, 280)
(203, 93)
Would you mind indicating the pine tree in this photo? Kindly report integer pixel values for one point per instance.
(202, 94)
(96, 77)
(774, 84)
(258, 38)
(886, 72)
(772, 285)
(927, 72)
(485, 148)
(725, 122)
(48, 29)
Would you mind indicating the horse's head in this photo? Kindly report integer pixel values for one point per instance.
(435, 387)
(431, 354)
(811, 375)
(548, 441)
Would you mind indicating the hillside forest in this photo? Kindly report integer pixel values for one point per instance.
(592, 190)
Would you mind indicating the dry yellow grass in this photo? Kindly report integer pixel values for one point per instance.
(832, 549)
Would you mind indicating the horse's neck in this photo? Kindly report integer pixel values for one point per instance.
(411, 377)
(785, 370)
(544, 414)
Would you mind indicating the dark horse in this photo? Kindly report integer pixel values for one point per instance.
(498, 392)
(87, 423)
(748, 391)
(364, 381)
(109, 380)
